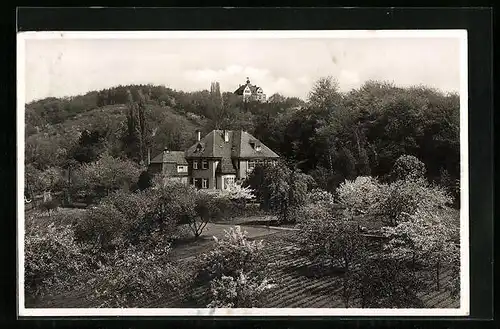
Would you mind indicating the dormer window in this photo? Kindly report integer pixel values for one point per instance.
(255, 145)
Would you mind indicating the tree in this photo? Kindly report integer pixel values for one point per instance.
(333, 242)
(89, 147)
(425, 237)
(50, 179)
(279, 188)
(408, 167)
(406, 197)
(145, 180)
(105, 175)
(136, 139)
(276, 98)
(384, 282)
(361, 196)
(208, 207)
(44, 151)
(325, 93)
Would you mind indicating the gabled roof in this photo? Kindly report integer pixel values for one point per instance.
(176, 157)
(253, 89)
(240, 144)
(226, 166)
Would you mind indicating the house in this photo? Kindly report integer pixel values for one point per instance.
(225, 156)
(171, 164)
(250, 92)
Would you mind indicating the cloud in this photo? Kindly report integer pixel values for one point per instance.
(348, 80)
(289, 66)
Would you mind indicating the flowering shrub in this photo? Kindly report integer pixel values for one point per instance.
(408, 167)
(235, 192)
(131, 276)
(244, 291)
(320, 196)
(232, 254)
(362, 195)
(237, 269)
(105, 175)
(424, 237)
(405, 197)
(53, 260)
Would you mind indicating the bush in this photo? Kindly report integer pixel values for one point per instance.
(237, 270)
(244, 291)
(53, 260)
(103, 227)
(232, 254)
(320, 196)
(131, 277)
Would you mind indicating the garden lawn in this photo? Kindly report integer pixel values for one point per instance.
(191, 247)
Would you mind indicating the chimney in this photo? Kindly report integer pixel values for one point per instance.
(165, 151)
(226, 136)
(198, 135)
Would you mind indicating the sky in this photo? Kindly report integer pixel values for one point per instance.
(67, 67)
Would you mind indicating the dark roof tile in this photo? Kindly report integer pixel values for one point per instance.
(170, 157)
(238, 146)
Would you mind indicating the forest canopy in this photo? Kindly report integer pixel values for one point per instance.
(331, 136)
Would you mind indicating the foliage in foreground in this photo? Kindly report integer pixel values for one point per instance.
(384, 282)
(133, 277)
(53, 260)
(237, 270)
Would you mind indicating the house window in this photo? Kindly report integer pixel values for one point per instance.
(195, 164)
(204, 183)
(182, 168)
(204, 164)
(228, 181)
(251, 165)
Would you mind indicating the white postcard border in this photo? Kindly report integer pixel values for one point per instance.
(464, 227)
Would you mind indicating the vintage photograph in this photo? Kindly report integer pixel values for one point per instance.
(243, 173)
